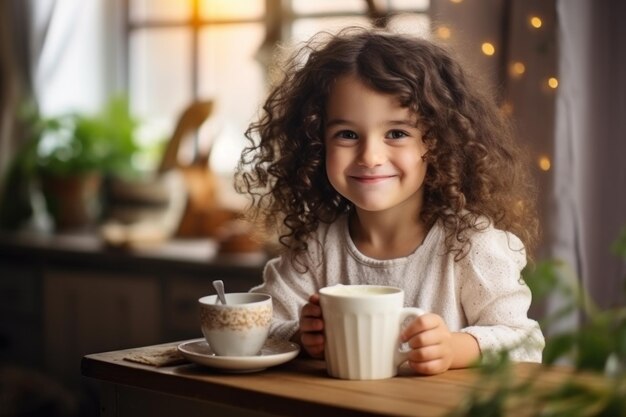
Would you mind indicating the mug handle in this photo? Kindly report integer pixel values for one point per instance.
(402, 355)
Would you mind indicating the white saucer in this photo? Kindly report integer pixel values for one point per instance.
(274, 352)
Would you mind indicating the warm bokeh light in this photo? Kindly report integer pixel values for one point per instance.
(228, 9)
(443, 32)
(536, 22)
(456, 1)
(517, 69)
(544, 163)
(507, 108)
(488, 48)
(553, 82)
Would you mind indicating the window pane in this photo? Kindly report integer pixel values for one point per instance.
(328, 6)
(159, 10)
(409, 4)
(232, 9)
(230, 75)
(413, 23)
(160, 71)
(303, 29)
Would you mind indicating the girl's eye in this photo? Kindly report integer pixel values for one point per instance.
(397, 134)
(346, 134)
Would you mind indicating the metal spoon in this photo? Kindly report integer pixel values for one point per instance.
(218, 284)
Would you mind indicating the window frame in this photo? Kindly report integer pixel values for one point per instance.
(278, 20)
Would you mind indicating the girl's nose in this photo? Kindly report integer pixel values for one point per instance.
(372, 153)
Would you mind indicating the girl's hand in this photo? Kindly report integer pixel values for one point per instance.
(312, 327)
(434, 349)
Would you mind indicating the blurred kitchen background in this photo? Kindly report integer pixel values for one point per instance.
(121, 123)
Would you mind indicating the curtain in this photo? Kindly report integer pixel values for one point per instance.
(16, 81)
(576, 132)
(589, 199)
(16, 92)
(76, 67)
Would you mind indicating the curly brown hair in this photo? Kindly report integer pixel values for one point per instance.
(476, 169)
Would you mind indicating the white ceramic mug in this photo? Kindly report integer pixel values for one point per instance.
(362, 330)
(239, 328)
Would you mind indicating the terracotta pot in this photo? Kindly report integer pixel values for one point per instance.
(73, 201)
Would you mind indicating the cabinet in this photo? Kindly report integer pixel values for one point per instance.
(21, 337)
(62, 297)
(86, 312)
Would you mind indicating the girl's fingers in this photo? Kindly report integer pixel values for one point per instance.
(311, 310)
(433, 367)
(426, 330)
(312, 339)
(427, 353)
(311, 327)
(422, 323)
(316, 352)
(314, 299)
(430, 360)
(309, 324)
(426, 338)
(313, 343)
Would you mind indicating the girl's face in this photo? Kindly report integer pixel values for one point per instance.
(373, 149)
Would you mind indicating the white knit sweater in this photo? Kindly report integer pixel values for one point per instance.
(483, 294)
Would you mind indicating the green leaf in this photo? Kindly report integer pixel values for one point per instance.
(542, 278)
(595, 343)
(78, 143)
(620, 343)
(619, 246)
(615, 406)
(558, 346)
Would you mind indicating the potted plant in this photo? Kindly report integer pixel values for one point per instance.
(68, 157)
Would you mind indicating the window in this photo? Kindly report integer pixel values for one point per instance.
(180, 51)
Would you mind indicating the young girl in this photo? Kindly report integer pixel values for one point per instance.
(386, 165)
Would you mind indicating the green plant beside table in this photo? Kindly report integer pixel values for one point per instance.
(594, 353)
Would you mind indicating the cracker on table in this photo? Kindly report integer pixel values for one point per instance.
(156, 356)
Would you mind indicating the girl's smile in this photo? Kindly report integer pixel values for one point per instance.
(371, 179)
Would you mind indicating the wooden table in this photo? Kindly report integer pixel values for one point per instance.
(298, 388)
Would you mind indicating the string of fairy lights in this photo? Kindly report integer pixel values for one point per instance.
(516, 69)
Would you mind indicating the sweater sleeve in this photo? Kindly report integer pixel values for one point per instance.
(495, 298)
(290, 290)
